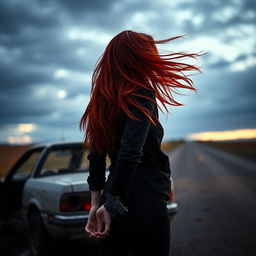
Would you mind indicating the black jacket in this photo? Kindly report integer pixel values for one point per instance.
(139, 164)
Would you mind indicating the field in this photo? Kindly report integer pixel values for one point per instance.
(8, 155)
(246, 149)
(171, 145)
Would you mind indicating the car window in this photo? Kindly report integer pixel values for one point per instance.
(57, 160)
(26, 167)
(65, 160)
(84, 163)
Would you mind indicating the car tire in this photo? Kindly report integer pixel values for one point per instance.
(40, 241)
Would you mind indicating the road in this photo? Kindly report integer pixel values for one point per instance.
(216, 194)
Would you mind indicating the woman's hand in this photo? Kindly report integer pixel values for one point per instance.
(103, 222)
(92, 224)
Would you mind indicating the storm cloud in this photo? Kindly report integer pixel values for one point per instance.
(48, 50)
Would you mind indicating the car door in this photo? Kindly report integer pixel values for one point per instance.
(16, 179)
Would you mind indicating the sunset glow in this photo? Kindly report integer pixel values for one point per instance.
(19, 139)
(224, 135)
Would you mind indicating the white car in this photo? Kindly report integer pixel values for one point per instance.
(47, 190)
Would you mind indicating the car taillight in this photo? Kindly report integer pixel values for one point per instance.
(77, 201)
(171, 197)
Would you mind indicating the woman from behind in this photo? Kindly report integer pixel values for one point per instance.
(129, 213)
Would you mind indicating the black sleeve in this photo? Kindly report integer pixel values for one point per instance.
(97, 170)
(131, 145)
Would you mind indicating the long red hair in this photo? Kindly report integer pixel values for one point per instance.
(130, 62)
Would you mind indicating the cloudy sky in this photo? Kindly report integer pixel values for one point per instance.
(48, 49)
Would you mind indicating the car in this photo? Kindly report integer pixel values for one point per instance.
(47, 191)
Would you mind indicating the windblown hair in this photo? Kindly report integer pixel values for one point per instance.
(130, 62)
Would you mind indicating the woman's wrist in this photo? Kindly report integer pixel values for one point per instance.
(95, 198)
(95, 205)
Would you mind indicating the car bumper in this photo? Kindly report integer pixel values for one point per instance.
(65, 226)
(72, 226)
(68, 221)
(172, 209)
(81, 219)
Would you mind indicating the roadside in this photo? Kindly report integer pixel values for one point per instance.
(245, 149)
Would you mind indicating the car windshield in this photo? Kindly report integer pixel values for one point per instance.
(65, 160)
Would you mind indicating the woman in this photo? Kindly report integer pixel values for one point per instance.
(129, 213)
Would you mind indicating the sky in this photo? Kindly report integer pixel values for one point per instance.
(49, 48)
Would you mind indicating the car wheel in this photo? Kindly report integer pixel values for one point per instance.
(39, 239)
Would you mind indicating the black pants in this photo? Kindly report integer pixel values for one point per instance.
(143, 231)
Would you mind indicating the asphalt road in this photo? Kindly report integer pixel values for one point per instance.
(216, 194)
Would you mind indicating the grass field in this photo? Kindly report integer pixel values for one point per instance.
(246, 149)
(8, 155)
(171, 145)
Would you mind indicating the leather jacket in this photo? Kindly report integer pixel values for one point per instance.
(139, 164)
